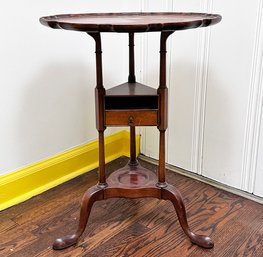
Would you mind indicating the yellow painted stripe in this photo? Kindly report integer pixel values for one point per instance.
(22, 184)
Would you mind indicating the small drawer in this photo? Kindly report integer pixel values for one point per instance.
(131, 118)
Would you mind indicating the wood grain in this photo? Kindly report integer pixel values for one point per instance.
(138, 227)
(131, 118)
(130, 22)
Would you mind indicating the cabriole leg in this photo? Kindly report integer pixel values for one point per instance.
(93, 194)
(172, 194)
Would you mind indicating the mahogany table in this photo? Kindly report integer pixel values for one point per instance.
(131, 104)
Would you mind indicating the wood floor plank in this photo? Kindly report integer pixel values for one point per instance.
(133, 227)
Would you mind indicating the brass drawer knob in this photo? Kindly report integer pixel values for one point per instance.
(130, 121)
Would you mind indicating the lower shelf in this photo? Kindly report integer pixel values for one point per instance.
(132, 177)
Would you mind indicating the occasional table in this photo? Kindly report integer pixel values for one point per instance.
(131, 104)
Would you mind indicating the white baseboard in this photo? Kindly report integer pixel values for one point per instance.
(206, 180)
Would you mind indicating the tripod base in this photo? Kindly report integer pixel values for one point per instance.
(132, 182)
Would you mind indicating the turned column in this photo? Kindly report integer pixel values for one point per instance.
(100, 108)
(132, 79)
(163, 110)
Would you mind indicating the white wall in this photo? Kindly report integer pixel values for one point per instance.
(47, 79)
(216, 95)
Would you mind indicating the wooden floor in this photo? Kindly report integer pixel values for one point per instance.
(140, 227)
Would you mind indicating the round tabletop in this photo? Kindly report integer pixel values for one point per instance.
(130, 22)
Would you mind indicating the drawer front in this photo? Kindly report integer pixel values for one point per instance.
(131, 118)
